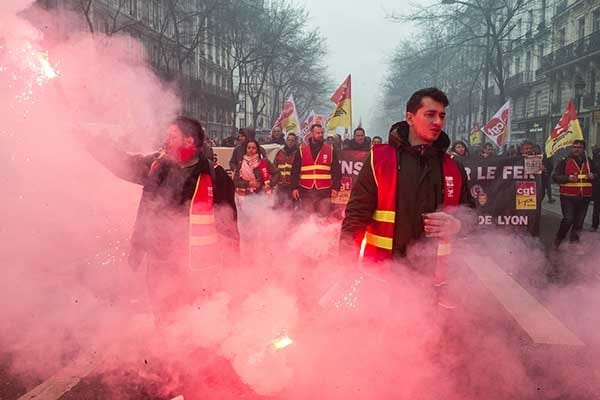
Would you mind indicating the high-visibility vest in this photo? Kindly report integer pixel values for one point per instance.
(284, 164)
(583, 186)
(316, 173)
(379, 236)
(203, 238)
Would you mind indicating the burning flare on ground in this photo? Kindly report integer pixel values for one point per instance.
(282, 342)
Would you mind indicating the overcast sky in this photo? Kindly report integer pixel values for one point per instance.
(360, 39)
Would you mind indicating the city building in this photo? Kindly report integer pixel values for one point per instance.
(191, 54)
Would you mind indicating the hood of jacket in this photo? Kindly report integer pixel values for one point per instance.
(398, 138)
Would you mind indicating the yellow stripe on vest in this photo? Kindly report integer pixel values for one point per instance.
(316, 167)
(384, 216)
(379, 241)
(202, 219)
(314, 176)
(203, 240)
(578, 185)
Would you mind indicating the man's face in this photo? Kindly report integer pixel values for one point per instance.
(460, 149)
(577, 150)
(175, 141)
(428, 122)
(376, 141)
(277, 132)
(317, 134)
(359, 137)
(290, 141)
(526, 150)
(241, 138)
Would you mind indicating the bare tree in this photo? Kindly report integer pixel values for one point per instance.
(482, 28)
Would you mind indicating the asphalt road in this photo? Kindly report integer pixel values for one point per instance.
(538, 359)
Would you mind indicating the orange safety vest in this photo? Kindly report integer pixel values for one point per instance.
(284, 164)
(203, 238)
(316, 173)
(583, 186)
(379, 235)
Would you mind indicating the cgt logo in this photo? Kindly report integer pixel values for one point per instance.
(526, 189)
(497, 127)
(526, 196)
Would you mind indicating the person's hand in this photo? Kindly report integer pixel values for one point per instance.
(441, 225)
(296, 194)
(591, 176)
(572, 178)
(334, 193)
(254, 184)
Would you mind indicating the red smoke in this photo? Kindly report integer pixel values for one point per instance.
(357, 332)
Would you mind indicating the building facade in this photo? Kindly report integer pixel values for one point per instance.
(552, 56)
(191, 54)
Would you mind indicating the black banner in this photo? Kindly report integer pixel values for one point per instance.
(505, 194)
(352, 162)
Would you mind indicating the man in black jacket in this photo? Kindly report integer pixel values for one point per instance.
(360, 141)
(167, 234)
(277, 136)
(420, 146)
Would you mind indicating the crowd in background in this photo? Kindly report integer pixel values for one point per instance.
(254, 173)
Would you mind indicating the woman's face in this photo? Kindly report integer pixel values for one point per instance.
(460, 149)
(251, 149)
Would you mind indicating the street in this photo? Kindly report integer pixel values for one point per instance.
(79, 378)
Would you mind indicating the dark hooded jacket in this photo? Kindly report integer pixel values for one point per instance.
(419, 191)
(161, 229)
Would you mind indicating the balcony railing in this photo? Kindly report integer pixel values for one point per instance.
(591, 100)
(520, 79)
(572, 52)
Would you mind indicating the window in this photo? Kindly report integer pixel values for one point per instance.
(596, 20)
(517, 65)
(581, 28)
(132, 7)
(543, 13)
(562, 37)
(528, 61)
(592, 82)
(156, 14)
(536, 103)
(558, 94)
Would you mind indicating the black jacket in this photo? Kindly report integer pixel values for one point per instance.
(351, 144)
(162, 224)
(336, 168)
(279, 140)
(419, 191)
